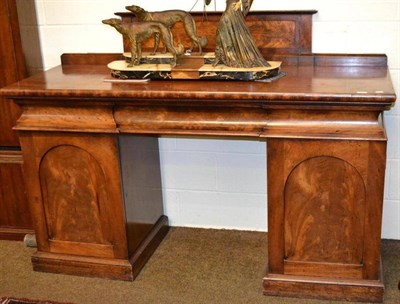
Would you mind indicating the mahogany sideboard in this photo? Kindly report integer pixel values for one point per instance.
(92, 166)
(91, 160)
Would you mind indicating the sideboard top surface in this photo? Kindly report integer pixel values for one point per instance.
(317, 79)
(316, 83)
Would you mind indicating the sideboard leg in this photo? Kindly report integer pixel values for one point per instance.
(86, 223)
(325, 213)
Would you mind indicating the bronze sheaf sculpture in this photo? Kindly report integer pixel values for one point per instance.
(139, 32)
(169, 18)
(235, 46)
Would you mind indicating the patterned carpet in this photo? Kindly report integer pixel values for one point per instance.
(7, 300)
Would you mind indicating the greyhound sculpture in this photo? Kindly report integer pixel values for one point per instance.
(169, 18)
(139, 32)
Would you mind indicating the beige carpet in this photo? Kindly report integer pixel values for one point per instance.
(191, 266)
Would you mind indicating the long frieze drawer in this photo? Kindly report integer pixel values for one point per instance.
(72, 118)
(191, 120)
(250, 121)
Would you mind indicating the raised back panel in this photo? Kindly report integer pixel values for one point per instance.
(275, 32)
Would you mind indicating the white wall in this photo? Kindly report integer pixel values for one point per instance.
(221, 183)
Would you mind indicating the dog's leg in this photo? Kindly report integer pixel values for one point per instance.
(164, 51)
(133, 53)
(168, 42)
(156, 43)
(190, 28)
(139, 52)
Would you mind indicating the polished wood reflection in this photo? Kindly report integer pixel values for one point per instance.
(90, 148)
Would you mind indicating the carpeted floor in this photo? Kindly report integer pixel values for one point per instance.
(191, 266)
(9, 300)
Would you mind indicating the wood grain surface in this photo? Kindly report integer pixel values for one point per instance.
(326, 162)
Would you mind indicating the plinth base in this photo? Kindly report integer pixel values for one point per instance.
(337, 289)
(117, 269)
(188, 67)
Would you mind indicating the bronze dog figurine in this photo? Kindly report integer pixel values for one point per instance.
(139, 32)
(169, 18)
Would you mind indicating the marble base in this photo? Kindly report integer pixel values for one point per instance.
(222, 72)
(120, 70)
(188, 67)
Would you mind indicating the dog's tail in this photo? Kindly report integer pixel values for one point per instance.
(191, 31)
(203, 40)
(180, 49)
(190, 27)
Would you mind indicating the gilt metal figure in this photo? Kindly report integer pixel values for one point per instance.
(139, 32)
(236, 56)
(235, 46)
(169, 18)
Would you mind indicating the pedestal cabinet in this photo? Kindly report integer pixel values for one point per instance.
(15, 220)
(325, 198)
(93, 175)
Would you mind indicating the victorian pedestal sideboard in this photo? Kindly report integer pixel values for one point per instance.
(15, 219)
(93, 177)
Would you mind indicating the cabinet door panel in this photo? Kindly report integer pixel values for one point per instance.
(75, 194)
(325, 203)
(324, 212)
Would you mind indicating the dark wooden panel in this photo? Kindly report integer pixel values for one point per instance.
(15, 220)
(89, 59)
(275, 32)
(141, 178)
(12, 68)
(350, 60)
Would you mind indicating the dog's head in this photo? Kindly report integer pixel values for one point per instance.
(135, 9)
(112, 21)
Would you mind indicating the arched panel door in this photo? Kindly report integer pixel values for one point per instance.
(73, 187)
(324, 201)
